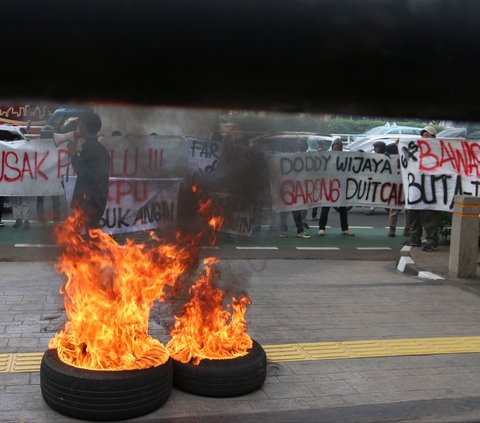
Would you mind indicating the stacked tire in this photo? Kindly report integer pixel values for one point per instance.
(223, 378)
(103, 395)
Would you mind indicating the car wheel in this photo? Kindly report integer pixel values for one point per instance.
(223, 378)
(103, 395)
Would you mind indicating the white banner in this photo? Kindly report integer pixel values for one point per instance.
(237, 213)
(435, 170)
(203, 155)
(302, 180)
(37, 167)
(136, 204)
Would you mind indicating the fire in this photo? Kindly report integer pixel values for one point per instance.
(206, 329)
(109, 292)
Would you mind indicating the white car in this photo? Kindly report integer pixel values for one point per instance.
(11, 133)
(391, 131)
(292, 141)
(367, 146)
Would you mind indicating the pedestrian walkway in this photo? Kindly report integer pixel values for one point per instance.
(346, 340)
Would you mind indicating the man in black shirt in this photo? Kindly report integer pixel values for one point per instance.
(92, 167)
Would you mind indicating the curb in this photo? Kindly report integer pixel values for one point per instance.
(407, 265)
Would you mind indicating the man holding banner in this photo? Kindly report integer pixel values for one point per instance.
(424, 219)
(92, 167)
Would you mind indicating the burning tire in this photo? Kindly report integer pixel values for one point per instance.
(101, 394)
(223, 378)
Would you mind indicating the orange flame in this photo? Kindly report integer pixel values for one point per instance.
(109, 292)
(206, 329)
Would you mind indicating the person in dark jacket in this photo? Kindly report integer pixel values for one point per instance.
(92, 167)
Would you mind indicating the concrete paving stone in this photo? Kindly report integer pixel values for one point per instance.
(371, 374)
(11, 299)
(26, 317)
(278, 369)
(355, 365)
(24, 341)
(361, 399)
(320, 402)
(372, 386)
(409, 362)
(34, 378)
(286, 390)
(344, 376)
(24, 389)
(419, 395)
(300, 378)
(8, 379)
(330, 388)
(463, 392)
(30, 416)
(225, 404)
(6, 317)
(313, 368)
(456, 381)
(347, 334)
(275, 404)
(413, 382)
(20, 401)
(23, 328)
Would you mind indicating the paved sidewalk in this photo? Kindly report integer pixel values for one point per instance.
(294, 301)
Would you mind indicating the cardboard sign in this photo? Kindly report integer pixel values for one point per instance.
(435, 170)
(136, 204)
(302, 180)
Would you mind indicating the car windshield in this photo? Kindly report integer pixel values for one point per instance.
(452, 133)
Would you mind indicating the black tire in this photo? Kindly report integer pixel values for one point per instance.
(103, 395)
(223, 378)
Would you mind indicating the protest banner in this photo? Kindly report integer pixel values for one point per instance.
(31, 168)
(135, 204)
(435, 170)
(204, 156)
(237, 213)
(302, 180)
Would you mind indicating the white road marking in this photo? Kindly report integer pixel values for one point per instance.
(256, 248)
(428, 275)
(317, 248)
(373, 248)
(34, 246)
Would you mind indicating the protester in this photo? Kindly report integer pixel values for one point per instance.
(392, 151)
(336, 146)
(55, 207)
(314, 145)
(92, 167)
(297, 218)
(424, 220)
(21, 211)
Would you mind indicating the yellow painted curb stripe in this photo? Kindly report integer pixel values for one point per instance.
(30, 362)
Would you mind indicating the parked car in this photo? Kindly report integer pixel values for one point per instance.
(385, 130)
(453, 133)
(286, 142)
(367, 145)
(11, 133)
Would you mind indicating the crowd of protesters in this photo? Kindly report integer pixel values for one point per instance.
(416, 221)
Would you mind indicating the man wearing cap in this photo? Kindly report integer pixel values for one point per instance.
(424, 220)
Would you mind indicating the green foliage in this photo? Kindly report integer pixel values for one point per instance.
(259, 124)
